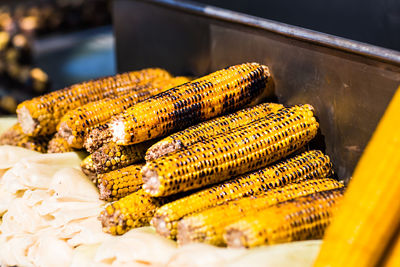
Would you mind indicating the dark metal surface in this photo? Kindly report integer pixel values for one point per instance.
(349, 83)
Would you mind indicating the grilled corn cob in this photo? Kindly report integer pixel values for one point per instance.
(89, 168)
(40, 115)
(298, 219)
(134, 210)
(370, 213)
(308, 165)
(220, 92)
(78, 122)
(205, 130)
(58, 144)
(97, 137)
(16, 137)
(208, 226)
(111, 156)
(245, 149)
(119, 183)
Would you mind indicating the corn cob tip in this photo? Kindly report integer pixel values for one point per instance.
(111, 221)
(65, 132)
(117, 128)
(25, 119)
(162, 148)
(159, 222)
(151, 181)
(235, 238)
(187, 232)
(105, 193)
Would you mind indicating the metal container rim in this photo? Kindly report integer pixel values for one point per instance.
(295, 32)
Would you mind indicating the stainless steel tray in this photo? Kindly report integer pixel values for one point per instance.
(349, 83)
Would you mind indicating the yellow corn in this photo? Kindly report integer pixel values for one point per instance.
(111, 156)
(58, 144)
(119, 183)
(370, 213)
(220, 92)
(40, 115)
(16, 137)
(208, 226)
(224, 156)
(134, 210)
(78, 122)
(299, 219)
(308, 165)
(89, 168)
(97, 137)
(392, 259)
(205, 130)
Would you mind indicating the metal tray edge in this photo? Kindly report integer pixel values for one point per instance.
(323, 39)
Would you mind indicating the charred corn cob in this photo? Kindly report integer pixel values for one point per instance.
(16, 137)
(57, 144)
(97, 137)
(208, 226)
(245, 149)
(134, 210)
(298, 219)
(78, 122)
(89, 168)
(40, 115)
(308, 165)
(111, 156)
(120, 183)
(370, 212)
(205, 130)
(220, 92)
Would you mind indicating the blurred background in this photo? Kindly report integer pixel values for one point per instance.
(49, 44)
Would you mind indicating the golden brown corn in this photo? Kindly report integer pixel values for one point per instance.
(40, 115)
(16, 137)
(220, 92)
(298, 219)
(57, 144)
(205, 130)
(308, 165)
(370, 213)
(78, 122)
(111, 156)
(224, 156)
(134, 210)
(97, 137)
(120, 183)
(89, 168)
(208, 226)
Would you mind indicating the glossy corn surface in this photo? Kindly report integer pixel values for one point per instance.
(117, 184)
(208, 226)
(219, 158)
(16, 137)
(88, 168)
(40, 115)
(132, 211)
(111, 156)
(97, 137)
(76, 123)
(307, 165)
(215, 94)
(370, 214)
(299, 219)
(57, 144)
(205, 130)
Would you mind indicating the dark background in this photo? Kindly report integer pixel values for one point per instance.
(371, 21)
